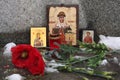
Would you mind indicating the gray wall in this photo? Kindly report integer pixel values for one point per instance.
(17, 16)
(105, 15)
(22, 14)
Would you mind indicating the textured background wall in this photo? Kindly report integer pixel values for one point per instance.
(16, 15)
(19, 15)
(105, 15)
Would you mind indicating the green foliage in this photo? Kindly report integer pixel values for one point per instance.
(68, 51)
(99, 50)
(94, 47)
(68, 48)
(103, 74)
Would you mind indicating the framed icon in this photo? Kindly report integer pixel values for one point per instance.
(38, 37)
(88, 36)
(62, 24)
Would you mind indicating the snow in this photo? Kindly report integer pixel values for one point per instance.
(111, 42)
(119, 64)
(89, 68)
(104, 62)
(79, 57)
(15, 77)
(51, 66)
(7, 49)
(54, 64)
(115, 59)
(51, 70)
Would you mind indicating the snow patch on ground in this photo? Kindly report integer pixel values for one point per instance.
(52, 65)
(7, 49)
(15, 77)
(104, 62)
(111, 42)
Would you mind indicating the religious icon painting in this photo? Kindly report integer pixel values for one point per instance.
(88, 36)
(62, 24)
(38, 37)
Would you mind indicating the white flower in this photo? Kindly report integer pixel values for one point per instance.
(7, 49)
(15, 77)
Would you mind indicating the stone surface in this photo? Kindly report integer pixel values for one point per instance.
(104, 14)
(19, 15)
(22, 14)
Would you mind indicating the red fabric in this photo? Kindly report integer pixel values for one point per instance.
(52, 43)
(88, 39)
(33, 62)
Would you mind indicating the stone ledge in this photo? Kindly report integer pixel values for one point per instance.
(22, 37)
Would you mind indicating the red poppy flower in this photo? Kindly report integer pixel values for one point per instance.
(26, 56)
